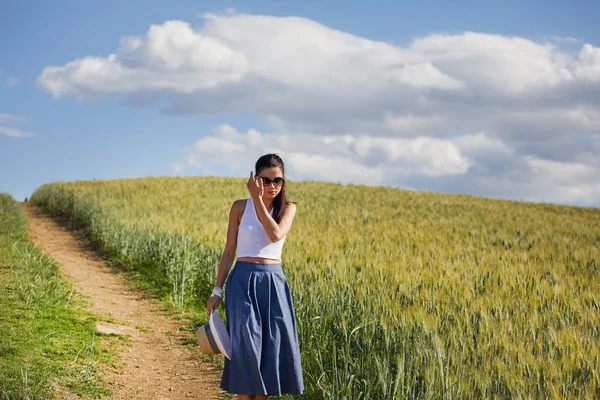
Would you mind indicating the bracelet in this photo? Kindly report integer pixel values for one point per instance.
(217, 291)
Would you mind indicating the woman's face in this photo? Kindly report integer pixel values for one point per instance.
(273, 172)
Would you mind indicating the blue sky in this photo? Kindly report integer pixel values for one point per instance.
(492, 99)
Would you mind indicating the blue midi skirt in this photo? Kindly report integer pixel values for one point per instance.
(265, 355)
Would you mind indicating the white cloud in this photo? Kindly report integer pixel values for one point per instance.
(478, 163)
(294, 52)
(469, 109)
(11, 131)
(225, 141)
(566, 39)
(411, 124)
(171, 57)
(480, 142)
(14, 132)
(500, 64)
(6, 117)
(585, 118)
(422, 155)
(559, 172)
(302, 73)
(333, 168)
(588, 66)
(545, 180)
(361, 159)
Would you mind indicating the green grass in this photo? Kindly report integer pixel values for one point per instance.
(48, 343)
(398, 294)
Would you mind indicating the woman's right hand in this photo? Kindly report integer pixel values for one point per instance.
(212, 303)
(255, 186)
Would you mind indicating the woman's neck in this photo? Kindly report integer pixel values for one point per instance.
(268, 205)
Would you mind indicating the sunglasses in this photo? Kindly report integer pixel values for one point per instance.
(277, 181)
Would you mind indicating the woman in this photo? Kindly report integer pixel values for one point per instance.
(265, 355)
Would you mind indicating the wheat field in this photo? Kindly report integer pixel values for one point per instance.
(398, 294)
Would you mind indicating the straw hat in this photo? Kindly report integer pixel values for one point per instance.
(213, 337)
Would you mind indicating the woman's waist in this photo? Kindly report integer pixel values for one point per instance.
(258, 266)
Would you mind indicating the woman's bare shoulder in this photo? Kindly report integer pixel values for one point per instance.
(238, 207)
(290, 208)
(240, 202)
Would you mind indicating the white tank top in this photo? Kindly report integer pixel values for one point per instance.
(252, 240)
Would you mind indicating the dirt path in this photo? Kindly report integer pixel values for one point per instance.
(155, 365)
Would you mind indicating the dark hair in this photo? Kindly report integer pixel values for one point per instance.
(280, 201)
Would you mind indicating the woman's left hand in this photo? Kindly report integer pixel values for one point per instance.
(255, 186)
